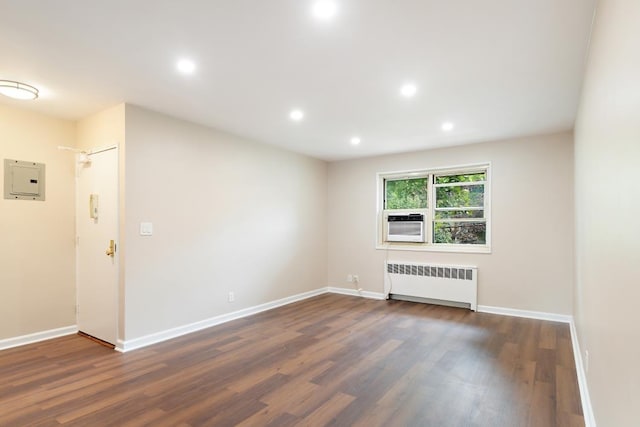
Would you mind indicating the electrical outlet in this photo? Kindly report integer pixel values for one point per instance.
(231, 297)
(586, 361)
(349, 278)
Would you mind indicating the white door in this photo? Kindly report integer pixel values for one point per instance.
(97, 231)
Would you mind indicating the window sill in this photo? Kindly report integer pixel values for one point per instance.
(431, 248)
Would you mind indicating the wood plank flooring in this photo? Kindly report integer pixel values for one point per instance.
(330, 360)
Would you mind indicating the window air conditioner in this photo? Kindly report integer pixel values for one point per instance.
(405, 228)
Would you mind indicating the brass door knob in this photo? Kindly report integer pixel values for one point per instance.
(111, 250)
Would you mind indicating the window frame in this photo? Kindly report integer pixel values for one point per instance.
(429, 212)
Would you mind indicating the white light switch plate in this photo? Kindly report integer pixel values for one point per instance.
(146, 229)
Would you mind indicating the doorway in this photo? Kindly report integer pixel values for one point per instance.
(97, 244)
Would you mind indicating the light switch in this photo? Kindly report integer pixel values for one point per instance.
(146, 228)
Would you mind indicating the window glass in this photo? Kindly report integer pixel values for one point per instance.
(406, 193)
(463, 233)
(459, 213)
(469, 177)
(460, 196)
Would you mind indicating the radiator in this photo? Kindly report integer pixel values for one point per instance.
(440, 282)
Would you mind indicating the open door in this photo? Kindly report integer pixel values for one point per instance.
(97, 244)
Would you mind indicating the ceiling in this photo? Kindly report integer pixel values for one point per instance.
(494, 68)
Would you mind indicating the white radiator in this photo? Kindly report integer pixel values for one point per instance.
(440, 282)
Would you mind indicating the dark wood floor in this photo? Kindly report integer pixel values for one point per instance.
(330, 360)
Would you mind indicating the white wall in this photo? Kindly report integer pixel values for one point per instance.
(37, 254)
(228, 215)
(531, 265)
(607, 162)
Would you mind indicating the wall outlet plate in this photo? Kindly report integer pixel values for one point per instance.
(146, 229)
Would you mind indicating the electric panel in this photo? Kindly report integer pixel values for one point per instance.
(24, 180)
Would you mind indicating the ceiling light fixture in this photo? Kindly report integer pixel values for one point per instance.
(296, 115)
(447, 126)
(325, 9)
(186, 66)
(17, 90)
(355, 140)
(408, 90)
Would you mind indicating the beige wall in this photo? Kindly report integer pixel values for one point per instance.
(105, 129)
(37, 255)
(607, 163)
(531, 265)
(228, 215)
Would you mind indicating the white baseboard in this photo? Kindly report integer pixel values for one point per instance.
(587, 409)
(37, 337)
(356, 293)
(540, 315)
(128, 345)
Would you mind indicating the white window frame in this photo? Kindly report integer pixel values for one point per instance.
(429, 213)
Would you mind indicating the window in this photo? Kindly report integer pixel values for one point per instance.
(440, 209)
(459, 212)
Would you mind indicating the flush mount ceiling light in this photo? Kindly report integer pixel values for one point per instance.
(324, 9)
(408, 90)
(186, 66)
(447, 126)
(17, 90)
(296, 115)
(355, 140)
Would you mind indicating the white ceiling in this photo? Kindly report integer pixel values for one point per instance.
(496, 68)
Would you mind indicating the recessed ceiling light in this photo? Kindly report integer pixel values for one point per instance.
(17, 90)
(324, 9)
(408, 90)
(355, 140)
(186, 66)
(447, 126)
(296, 115)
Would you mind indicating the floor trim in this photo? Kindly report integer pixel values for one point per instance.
(37, 337)
(585, 398)
(128, 345)
(97, 340)
(356, 293)
(540, 315)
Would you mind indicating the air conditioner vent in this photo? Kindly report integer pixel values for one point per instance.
(405, 228)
